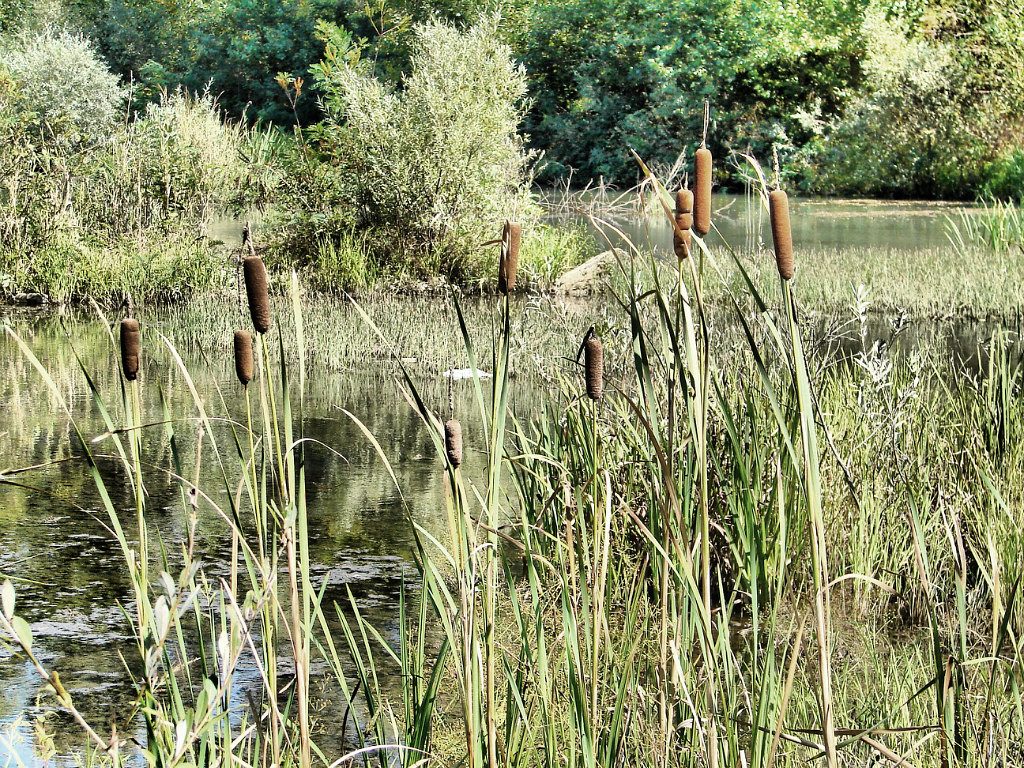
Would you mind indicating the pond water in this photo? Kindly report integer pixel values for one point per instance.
(67, 567)
(742, 222)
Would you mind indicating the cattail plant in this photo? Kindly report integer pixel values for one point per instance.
(510, 239)
(702, 192)
(593, 363)
(256, 292)
(243, 357)
(782, 235)
(453, 442)
(130, 348)
(684, 222)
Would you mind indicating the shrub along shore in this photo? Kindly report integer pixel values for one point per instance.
(396, 181)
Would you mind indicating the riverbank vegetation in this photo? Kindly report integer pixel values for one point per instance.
(727, 549)
(388, 143)
(390, 187)
(872, 97)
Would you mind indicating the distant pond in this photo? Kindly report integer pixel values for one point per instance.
(817, 222)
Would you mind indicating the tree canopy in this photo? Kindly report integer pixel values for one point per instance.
(883, 97)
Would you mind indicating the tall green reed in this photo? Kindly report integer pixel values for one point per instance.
(185, 706)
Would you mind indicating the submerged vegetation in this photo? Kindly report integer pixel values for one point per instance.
(728, 550)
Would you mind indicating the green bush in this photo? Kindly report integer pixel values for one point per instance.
(1004, 177)
(929, 121)
(64, 91)
(424, 173)
(181, 159)
(91, 205)
(69, 268)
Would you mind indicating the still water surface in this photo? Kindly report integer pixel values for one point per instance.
(69, 569)
(69, 578)
(742, 222)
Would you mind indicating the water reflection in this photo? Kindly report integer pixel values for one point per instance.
(71, 581)
(742, 222)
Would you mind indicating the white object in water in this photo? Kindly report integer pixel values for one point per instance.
(457, 374)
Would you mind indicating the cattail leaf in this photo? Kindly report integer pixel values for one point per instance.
(7, 599)
(167, 582)
(22, 632)
(224, 653)
(162, 616)
(180, 732)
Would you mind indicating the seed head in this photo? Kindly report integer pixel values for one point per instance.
(702, 193)
(593, 359)
(243, 357)
(684, 222)
(511, 236)
(256, 292)
(453, 442)
(782, 235)
(130, 344)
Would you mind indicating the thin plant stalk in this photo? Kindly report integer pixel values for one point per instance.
(819, 552)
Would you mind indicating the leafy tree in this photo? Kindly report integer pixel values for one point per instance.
(609, 76)
(941, 104)
(13, 14)
(241, 51)
(423, 173)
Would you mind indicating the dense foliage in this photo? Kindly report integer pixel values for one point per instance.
(878, 97)
(427, 172)
(96, 205)
(394, 137)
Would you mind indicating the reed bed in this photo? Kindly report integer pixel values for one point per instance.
(696, 556)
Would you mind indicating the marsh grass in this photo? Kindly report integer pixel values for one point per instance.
(924, 284)
(127, 214)
(998, 226)
(738, 555)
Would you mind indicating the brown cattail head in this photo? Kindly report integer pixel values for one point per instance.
(702, 193)
(782, 235)
(243, 357)
(593, 358)
(684, 222)
(453, 442)
(256, 292)
(130, 349)
(511, 236)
